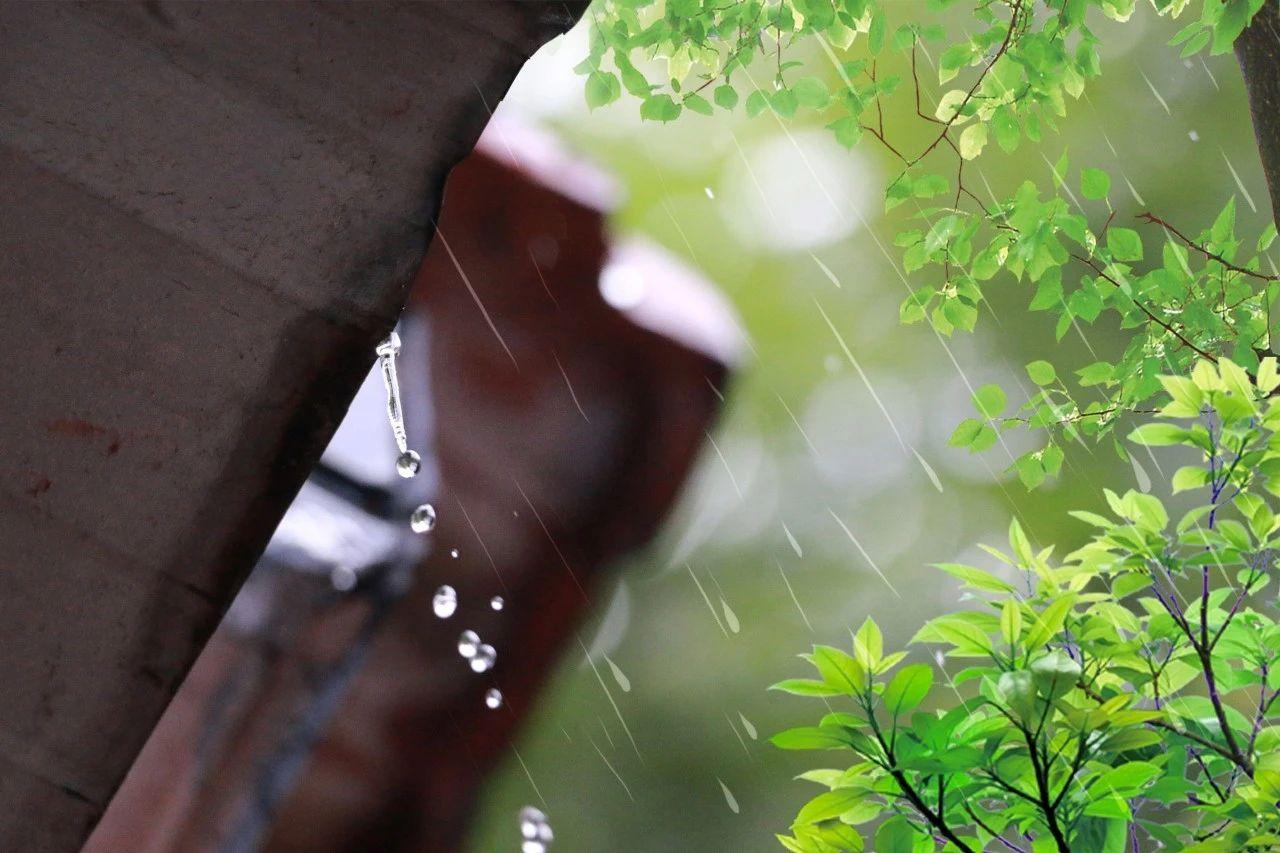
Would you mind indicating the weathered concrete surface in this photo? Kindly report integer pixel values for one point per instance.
(210, 213)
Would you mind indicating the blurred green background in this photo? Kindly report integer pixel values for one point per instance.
(701, 624)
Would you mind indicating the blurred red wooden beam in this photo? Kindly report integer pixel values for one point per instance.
(564, 429)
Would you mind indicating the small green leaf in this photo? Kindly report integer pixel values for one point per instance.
(973, 140)
(602, 88)
(1095, 183)
(1124, 244)
(989, 400)
(726, 96)
(698, 104)
(908, 688)
(659, 108)
(1042, 372)
(830, 805)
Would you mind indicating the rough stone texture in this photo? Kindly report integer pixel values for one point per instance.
(211, 212)
(1258, 50)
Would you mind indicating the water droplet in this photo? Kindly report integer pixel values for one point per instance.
(535, 829)
(1193, 136)
(423, 519)
(496, 603)
(928, 470)
(618, 675)
(708, 191)
(748, 727)
(445, 602)
(622, 286)
(343, 578)
(730, 618)
(728, 796)
(409, 464)
(795, 545)
(493, 698)
(1140, 474)
(468, 644)
(454, 553)
(484, 658)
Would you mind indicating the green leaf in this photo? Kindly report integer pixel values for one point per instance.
(659, 108)
(1095, 183)
(811, 737)
(602, 88)
(1159, 435)
(847, 130)
(1042, 372)
(698, 104)
(1050, 622)
(811, 92)
(1124, 244)
(726, 96)
(830, 805)
(989, 400)
(805, 687)
(973, 140)
(975, 577)
(895, 835)
(840, 671)
(908, 688)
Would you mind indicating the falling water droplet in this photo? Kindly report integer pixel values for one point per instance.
(728, 796)
(493, 698)
(535, 829)
(795, 545)
(423, 519)
(730, 618)
(496, 603)
(484, 658)
(468, 643)
(1140, 474)
(409, 464)
(1193, 136)
(709, 192)
(454, 553)
(618, 675)
(445, 602)
(928, 470)
(748, 727)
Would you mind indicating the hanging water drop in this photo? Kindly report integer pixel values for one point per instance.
(423, 519)
(493, 698)
(445, 602)
(483, 659)
(496, 603)
(468, 644)
(343, 578)
(409, 464)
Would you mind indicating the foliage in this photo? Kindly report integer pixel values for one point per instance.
(1119, 697)
(1007, 76)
